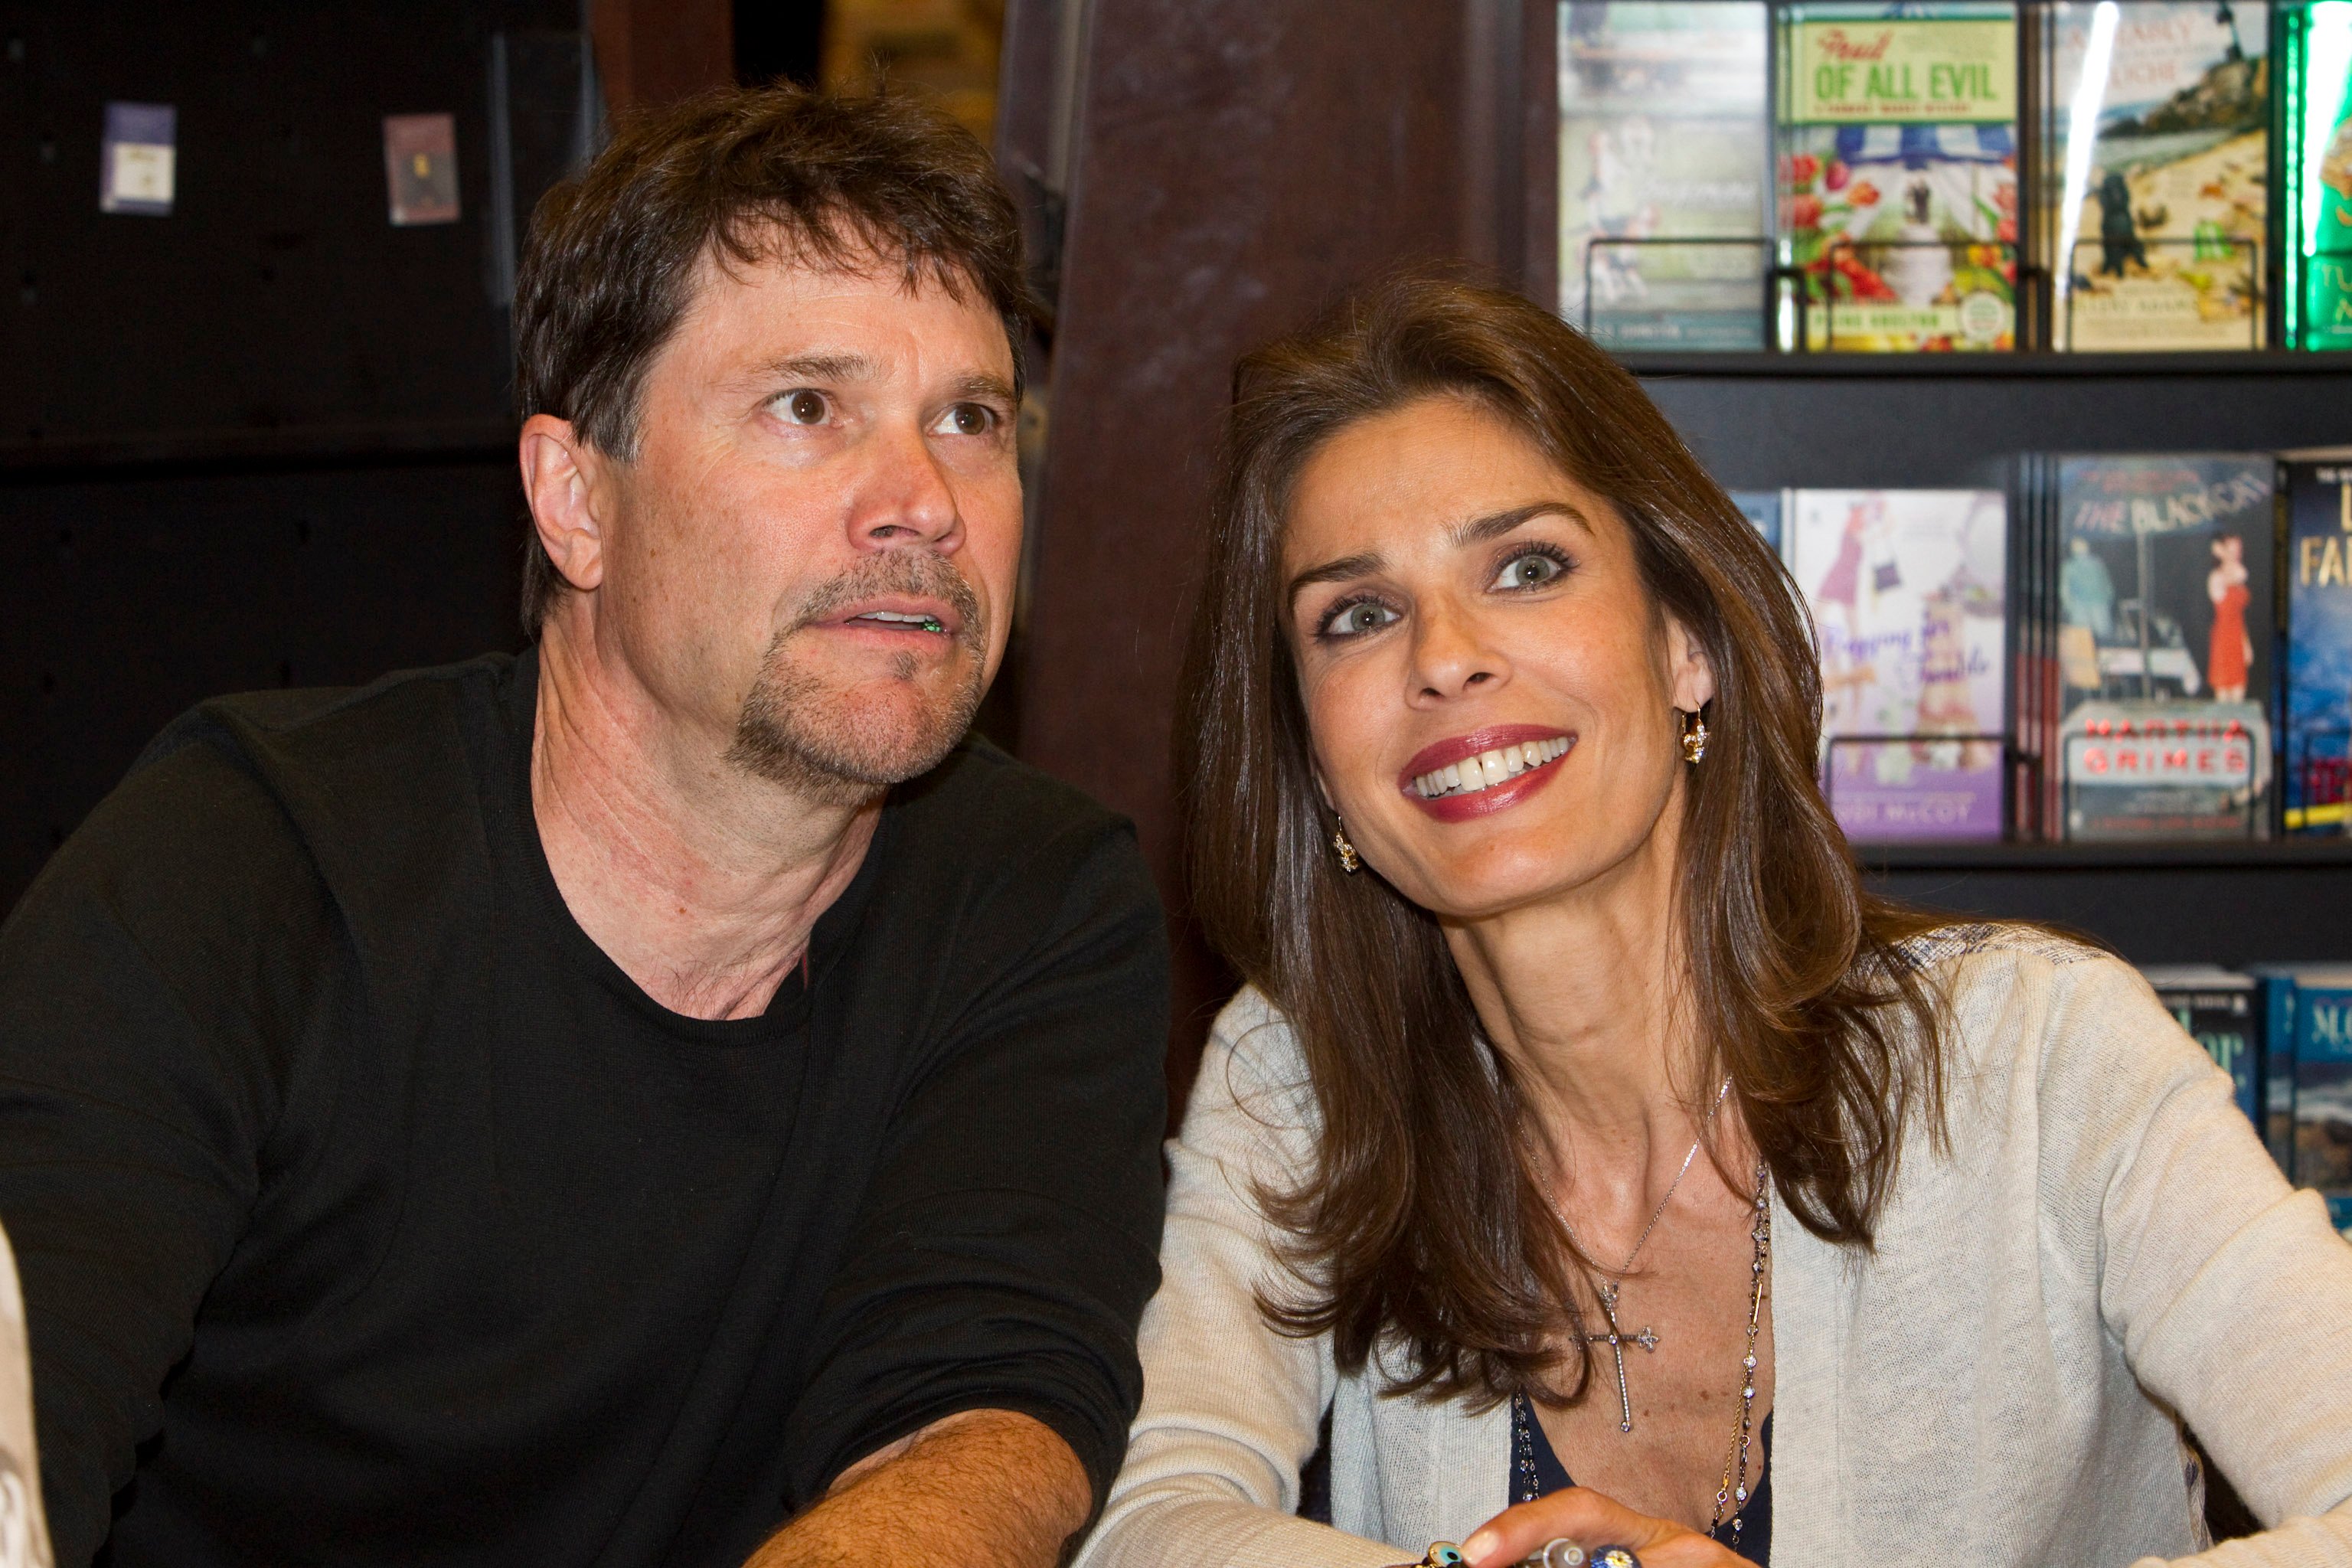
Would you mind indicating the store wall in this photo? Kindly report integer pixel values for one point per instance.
(266, 439)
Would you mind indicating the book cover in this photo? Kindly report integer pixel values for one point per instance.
(2164, 645)
(2221, 1012)
(1762, 508)
(1908, 593)
(2157, 174)
(2034, 696)
(420, 164)
(1661, 173)
(2315, 784)
(1898, 174)
(2274, 989)
(138, 159)
(2315, 147)
(2323, 1086)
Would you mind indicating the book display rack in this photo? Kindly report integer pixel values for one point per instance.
(1871, 315)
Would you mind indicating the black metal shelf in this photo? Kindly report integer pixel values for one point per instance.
(2224, 854)
(2220, 365)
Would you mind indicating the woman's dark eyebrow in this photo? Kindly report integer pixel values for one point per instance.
(1494, 525)
(1338, 571)
(1477, 530)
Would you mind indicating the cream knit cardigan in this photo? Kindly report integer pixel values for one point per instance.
(2104, 1243)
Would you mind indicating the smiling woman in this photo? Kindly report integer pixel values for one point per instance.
(1499, 741)
(1413, 513)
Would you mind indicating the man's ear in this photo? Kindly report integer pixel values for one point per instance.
(1691, 677)
(559, 480)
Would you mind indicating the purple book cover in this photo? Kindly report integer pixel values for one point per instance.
(1909, 591)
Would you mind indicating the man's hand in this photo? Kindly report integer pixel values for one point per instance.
(1591, 1520)
(986, 1488)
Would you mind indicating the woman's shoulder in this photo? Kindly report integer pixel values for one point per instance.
(2003, 940)
(1253, 1067)
(1974, 965)
(2021, 1003)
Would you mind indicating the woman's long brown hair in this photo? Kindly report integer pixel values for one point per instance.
(1424, 1228)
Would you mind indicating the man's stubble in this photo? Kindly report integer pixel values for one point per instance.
(816, 740)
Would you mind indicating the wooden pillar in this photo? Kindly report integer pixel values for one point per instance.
(1230, 167)
(652, 52)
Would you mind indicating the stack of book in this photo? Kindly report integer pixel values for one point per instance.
(2283, 1034)
(1956, 175)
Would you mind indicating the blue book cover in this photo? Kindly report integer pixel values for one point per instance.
(1761, 508)
(2223, 1013)
(2276, 990)
(2317, 782)
(2323, 1086)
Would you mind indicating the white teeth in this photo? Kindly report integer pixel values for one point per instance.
(1487, 769)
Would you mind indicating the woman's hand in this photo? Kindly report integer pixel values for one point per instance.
(1592, 1520)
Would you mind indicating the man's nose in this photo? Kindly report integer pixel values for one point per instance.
(905, 498)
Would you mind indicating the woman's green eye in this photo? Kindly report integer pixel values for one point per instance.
(1355, 619)
(1528, 571)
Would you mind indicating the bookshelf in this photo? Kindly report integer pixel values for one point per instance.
(1765, 420)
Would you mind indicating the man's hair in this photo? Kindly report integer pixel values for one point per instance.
(766, 176)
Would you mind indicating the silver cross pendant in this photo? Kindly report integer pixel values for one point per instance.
(1616, 1340)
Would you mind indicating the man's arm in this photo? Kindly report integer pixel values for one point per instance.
(1009, 1235)
(985, 1488)
(145, 983)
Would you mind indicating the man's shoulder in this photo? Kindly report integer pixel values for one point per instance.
(246, 800)
(281, 735)
(983, 806)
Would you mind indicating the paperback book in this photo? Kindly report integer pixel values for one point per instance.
(2157, 174)
(2315, 177)
(2316, 774)
(2323, 1087)
(1661, 173)
(1898, 174)
(2163, 644)
(2221, 1011)
(1761, 508)
(1908, 593)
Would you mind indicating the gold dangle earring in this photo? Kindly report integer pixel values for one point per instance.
(1694, 737)
(1348, 860)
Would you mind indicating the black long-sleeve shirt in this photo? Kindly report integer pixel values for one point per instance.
(369, 1214)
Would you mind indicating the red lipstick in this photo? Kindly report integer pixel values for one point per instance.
(1494, 797)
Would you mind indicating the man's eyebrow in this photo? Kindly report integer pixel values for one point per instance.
(980, 383)
(1340, 570)
(1494, 525)
(824, 367)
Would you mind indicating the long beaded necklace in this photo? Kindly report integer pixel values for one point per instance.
(1732, 1497)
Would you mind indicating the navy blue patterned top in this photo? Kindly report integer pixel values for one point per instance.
(1550, 1476)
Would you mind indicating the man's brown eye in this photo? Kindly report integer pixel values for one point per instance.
(804, 407)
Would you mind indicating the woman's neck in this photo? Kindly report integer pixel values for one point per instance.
(1580, 996)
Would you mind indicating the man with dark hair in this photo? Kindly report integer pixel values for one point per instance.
(603, 1105)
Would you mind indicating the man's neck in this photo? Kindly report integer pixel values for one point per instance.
(701, 881)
